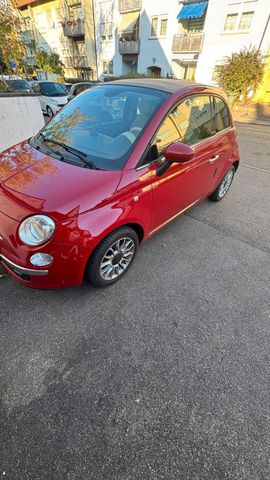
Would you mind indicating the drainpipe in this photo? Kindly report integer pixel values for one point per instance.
(264, 32)
(95, 38)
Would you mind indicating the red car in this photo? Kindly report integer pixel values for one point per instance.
(114, 166)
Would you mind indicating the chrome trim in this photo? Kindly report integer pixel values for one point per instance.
(174, 216)
(22, 270)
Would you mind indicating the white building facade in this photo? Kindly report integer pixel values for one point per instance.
(229, 27)
(186, 39)
(146, 37)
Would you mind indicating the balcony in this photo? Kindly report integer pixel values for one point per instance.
(27, 37)
(125, 6)
(74, 28)
(76, 61)
(191, 42)
(129, 47)
(30, 60)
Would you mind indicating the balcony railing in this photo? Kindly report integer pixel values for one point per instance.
(27, 36)
(74, 29)
(129, 5)
(191, 42)
(76, 61)
(129, 47)
(30, 60)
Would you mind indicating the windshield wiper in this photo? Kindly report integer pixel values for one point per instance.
(49, 148)
(82, 156)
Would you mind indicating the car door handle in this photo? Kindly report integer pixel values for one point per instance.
(213, 159)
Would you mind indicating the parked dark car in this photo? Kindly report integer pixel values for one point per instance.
(79, 197)
(16, 85)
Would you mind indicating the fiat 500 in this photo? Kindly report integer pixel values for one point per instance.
(114, 166)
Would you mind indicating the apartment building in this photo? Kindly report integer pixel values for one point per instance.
(230, 26)
(149, 37)
(65, 27)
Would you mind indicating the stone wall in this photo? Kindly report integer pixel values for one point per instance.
(252, 113)
(20, 118)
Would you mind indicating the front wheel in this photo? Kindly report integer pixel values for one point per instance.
(223, 187)
(112, 257)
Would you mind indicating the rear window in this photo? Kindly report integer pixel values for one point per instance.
(222, 117)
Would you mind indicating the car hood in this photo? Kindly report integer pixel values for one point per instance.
(62, 100)
(32, 182)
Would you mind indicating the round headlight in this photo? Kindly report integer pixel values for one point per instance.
(36, 230)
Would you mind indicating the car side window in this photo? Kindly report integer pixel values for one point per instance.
(36, 88)
(194, 119)
(166, 134)
(222, 118)
(80, 89)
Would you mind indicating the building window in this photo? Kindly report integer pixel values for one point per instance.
(154, 23)
(163, 26)
(106, 29)
(230, 22)
(245, 21)
(105, 68)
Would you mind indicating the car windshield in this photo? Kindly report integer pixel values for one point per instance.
(105, 122)
(52, 89)
(18, 84)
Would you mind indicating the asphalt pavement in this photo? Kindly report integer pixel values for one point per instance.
(164, 375)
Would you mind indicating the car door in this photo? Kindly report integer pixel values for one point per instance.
(37, 89)
(184, 184)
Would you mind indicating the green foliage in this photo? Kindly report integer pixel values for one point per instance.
(241, 73)
(49, 62)
(11, 46)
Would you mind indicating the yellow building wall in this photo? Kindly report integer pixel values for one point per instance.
(46, 19)
(263, 92)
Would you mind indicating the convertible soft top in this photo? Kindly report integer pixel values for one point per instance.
(166, 85)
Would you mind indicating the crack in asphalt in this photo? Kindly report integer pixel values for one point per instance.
(255, 168)
(228, 234)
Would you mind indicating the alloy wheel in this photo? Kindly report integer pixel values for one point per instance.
(117, 258)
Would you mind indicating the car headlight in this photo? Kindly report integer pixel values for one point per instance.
(36, 230)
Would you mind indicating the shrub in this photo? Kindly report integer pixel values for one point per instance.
(241, 73)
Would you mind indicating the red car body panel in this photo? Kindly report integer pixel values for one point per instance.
(88, 204)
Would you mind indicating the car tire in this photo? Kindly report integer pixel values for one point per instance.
(224, 186)
(49, 111)
(112, 258)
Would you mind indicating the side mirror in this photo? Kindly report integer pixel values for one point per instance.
(176, 152)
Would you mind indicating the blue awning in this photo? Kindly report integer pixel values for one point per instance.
(194, 10)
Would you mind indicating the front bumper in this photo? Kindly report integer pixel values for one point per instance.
(69, 257)
(22, 271)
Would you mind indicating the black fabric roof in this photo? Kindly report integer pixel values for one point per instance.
(166, 85)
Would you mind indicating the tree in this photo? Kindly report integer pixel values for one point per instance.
(12, 49)
(49, 62)
(241, 73)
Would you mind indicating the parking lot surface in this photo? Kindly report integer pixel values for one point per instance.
(164, 375)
